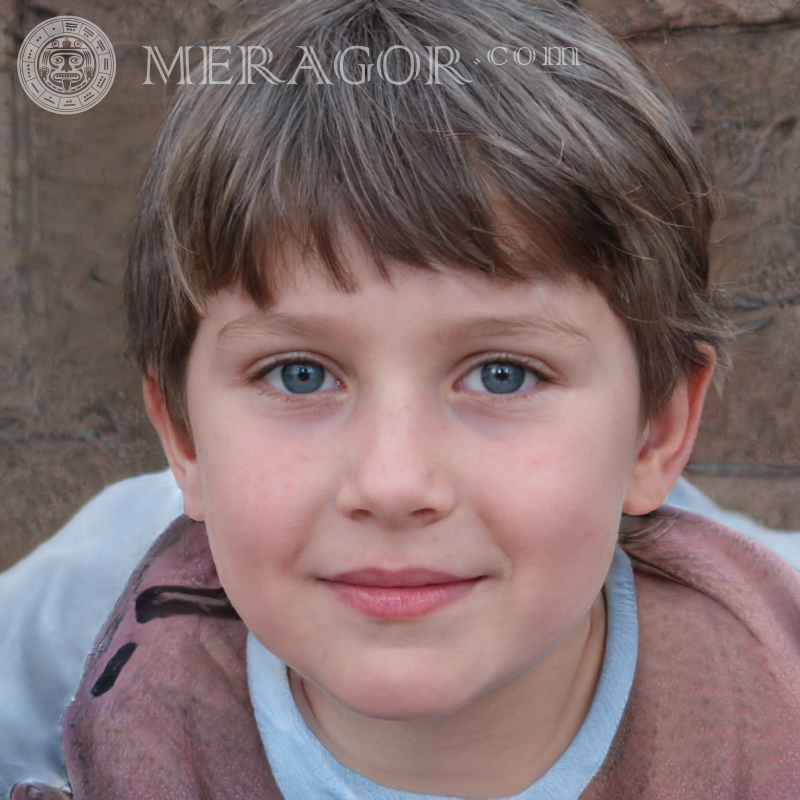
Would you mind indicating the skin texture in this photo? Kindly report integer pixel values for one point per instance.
(403, 461)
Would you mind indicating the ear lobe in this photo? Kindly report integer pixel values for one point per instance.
(178, 447)
(667, 442)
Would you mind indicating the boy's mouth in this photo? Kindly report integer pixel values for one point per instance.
(398, 594)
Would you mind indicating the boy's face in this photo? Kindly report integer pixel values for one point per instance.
(412, 491)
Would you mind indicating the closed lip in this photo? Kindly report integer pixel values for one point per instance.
(399, 595)
(397, 578)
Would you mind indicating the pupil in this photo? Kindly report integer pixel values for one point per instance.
(502, 377)
(302, 377)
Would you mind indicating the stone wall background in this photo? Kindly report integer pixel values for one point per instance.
(71, 418)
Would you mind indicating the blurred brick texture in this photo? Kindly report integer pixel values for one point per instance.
(71, 418)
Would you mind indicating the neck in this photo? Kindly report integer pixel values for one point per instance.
(495, 747)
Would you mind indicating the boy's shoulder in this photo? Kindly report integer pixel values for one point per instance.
(714, 709)
(163, 708)
(718, 578)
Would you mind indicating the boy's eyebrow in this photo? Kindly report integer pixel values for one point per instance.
(278, 322)
(547, 321)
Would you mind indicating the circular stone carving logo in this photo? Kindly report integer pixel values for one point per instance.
(66, 65)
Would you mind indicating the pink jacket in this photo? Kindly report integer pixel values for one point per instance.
(163, 710)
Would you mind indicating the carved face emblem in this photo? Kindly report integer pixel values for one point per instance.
(67, 65)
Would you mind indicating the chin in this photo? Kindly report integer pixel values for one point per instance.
(403, 709)
(405, 697)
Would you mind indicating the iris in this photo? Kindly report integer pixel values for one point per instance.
(502, 377)
(301, 377)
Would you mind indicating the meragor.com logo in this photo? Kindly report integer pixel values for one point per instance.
(66, 65)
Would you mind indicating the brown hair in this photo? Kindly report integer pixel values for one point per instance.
(513, 169)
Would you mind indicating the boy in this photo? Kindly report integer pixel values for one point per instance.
(415, 337)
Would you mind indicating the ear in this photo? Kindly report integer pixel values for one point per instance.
(178, 447)
(667, 441)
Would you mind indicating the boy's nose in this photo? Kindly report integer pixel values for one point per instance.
(396, 468)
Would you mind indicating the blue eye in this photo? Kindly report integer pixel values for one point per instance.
(499, 377)
(300, 377)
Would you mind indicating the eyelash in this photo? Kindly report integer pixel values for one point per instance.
(499, 358)
(506, 358)
(292, 358)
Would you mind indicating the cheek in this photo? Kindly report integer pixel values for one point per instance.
(554, 498)
(253, 468)
(555, 475)
(262, 498)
